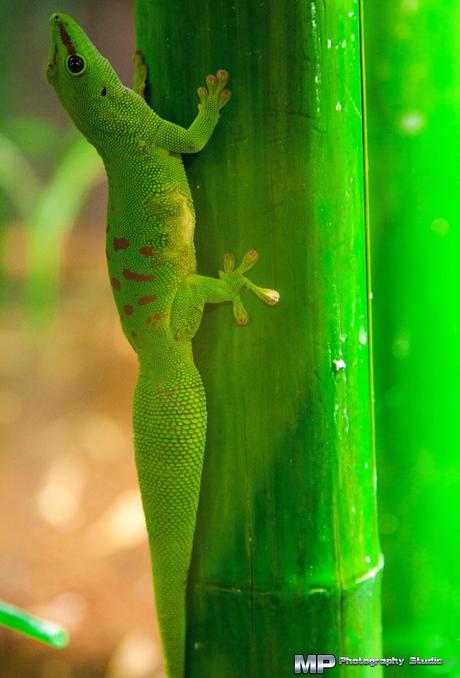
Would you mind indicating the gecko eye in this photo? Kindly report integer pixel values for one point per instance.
(75, 64)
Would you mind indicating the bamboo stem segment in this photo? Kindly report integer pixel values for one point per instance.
(287, 559)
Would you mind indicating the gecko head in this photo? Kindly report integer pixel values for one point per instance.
(84, 80)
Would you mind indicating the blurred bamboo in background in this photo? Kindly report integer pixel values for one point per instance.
(287, 557)
(413, 85)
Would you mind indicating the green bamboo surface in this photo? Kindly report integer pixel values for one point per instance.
(413, 74)
(286, 557)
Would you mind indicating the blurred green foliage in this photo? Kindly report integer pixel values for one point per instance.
(46, 205)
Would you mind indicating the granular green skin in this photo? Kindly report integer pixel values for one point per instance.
(159, 296)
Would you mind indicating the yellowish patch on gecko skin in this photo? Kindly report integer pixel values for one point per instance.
(142, 147)
(176, 212)
(187, 221)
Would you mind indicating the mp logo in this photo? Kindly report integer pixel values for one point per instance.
(313, 663)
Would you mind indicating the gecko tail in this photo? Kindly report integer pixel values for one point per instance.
(169, 433)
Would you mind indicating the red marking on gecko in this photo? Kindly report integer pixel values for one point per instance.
(120, 243)
(128, 309)
(66, 39)
(115, 283)
(55, 55)
(134, 334)
(147, 300)
(154, 318)
(147, 251)
(139, 277)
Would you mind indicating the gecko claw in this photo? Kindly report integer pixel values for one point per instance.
(229, 262)
(211, 82)
(250, 259)
(202, 94)
(223, 76)
(225, 96)
(267, 295)
(239, 312)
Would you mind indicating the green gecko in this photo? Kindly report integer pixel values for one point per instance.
(159, 295)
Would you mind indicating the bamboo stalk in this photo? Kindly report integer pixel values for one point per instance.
(287, 559)
(414, 116)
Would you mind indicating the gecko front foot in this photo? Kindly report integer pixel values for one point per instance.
(236, 280)
(215, 96)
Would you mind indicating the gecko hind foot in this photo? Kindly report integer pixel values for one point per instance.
(236, 280)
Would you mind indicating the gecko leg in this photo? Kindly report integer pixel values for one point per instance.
(198, 290)
(213, 97)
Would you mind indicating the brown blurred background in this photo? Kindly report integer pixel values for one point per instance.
(73, 543)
